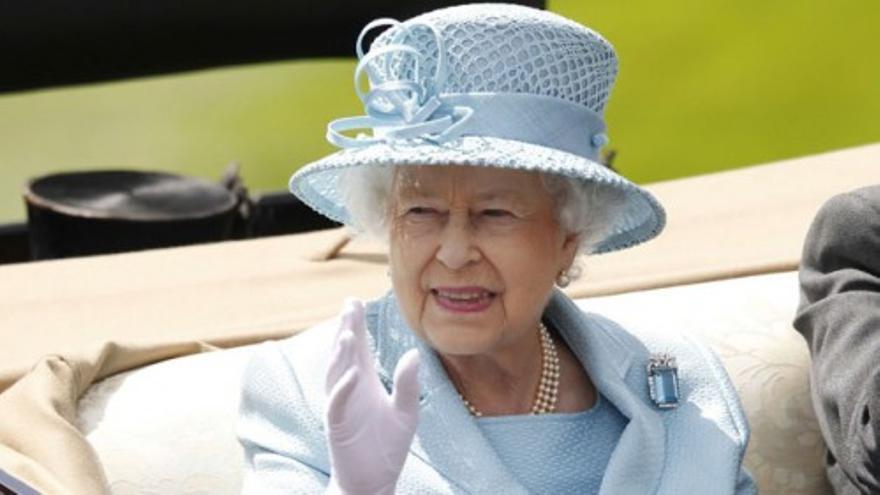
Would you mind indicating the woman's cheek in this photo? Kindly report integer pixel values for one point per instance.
(410, 259)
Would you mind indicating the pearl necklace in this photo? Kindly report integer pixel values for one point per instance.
(548, 386)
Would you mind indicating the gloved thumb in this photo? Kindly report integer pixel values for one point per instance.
(406, 383)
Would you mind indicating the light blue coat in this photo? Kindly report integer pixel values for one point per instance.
(696, 448)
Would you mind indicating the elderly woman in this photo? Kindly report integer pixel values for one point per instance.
(475, 374)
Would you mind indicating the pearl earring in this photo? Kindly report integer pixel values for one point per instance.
(563, 279)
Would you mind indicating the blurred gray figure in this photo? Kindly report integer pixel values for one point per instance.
(839, 315)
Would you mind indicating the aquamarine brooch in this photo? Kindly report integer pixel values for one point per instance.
(663, 381)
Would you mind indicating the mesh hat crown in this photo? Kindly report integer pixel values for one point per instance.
(491, 48)
(493, 85)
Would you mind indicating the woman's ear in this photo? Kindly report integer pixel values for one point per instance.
(570, 244)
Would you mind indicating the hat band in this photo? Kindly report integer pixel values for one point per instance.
(537, 119)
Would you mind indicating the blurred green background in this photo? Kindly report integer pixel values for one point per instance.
(703, 86)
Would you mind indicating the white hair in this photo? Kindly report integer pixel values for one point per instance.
(582, 208)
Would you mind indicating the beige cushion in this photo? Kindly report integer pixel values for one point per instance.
(169, 427)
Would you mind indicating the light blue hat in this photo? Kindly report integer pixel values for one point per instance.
(484, 85)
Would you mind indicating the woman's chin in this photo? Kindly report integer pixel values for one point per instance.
(458, 348)
(459, 340)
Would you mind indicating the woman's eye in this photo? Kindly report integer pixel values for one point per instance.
(496, 213)
(420, 210)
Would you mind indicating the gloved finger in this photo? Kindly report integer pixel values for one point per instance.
(340, 404)
(355, 309)
(406, 383)
(341, 359)
(345, 319)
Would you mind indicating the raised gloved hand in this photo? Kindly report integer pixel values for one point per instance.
(368, 431)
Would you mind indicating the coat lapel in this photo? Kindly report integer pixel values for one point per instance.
(636, 464)
(450, 440)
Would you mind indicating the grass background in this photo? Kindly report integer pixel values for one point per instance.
(704, 85)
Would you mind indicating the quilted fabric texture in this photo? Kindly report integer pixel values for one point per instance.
(169, 428)
(177, 417)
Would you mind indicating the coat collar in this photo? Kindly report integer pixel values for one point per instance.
(617, 364)
(450, 441)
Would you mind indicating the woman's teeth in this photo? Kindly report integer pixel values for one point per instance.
(463, 296)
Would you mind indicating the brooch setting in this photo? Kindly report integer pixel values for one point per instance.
(663, 380)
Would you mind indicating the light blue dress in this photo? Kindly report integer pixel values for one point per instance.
(574, 447)
(695, 448)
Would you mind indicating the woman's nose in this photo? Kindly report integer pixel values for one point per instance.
(457, 247)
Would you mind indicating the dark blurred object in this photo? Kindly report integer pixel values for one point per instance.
(282, 213)
(81, 213)
(60, 42)
(234, 183)
(608, 159)
(14, 243)
(269, 214)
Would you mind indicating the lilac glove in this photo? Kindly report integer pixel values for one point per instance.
(368, 431)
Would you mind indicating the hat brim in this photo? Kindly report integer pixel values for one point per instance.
(639, 217)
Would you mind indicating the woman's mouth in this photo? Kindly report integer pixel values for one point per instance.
(463, 299)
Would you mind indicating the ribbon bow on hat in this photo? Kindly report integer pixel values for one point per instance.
(400, 108)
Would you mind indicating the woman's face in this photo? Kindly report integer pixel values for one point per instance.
(474, 254)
